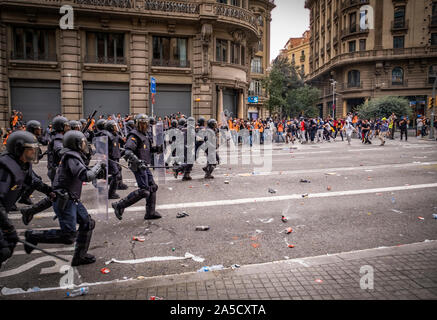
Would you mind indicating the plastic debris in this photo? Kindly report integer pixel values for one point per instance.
(182, 214)
(329, 188)
(255, 245)
(78, 292)
(290, 246)
(266, 220)
(421, 218)
(272, 190)
(202, 228)
(173, 249)
(393, 200)
(289, 230)
(141, 277)
(235, 266)
(305, 195)
(226, 182)
(319, 280)
(105, 270)
(284, 219)
(304, 181)
(139, 239)
(156, 298)
(434, 215)
(212, 268)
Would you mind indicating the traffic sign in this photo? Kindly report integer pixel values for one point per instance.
(152, 85)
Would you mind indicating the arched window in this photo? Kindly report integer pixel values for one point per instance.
(432, 74)
(397, 76)
(353, 79)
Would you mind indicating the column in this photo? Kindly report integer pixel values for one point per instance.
(139, 77)
(220, 105)
(71, 74)
(4, 104)
(240, 111)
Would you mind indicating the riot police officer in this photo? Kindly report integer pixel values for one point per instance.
(130, 125)
(75, 125)
(16, 172)
(138, 151)
(60, 127)
(100, 125)
(114, 154)
(185, 167)
(211, 131)
(71, 174)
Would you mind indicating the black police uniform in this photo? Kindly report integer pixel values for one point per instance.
(69, 178)
(14, 174)
(138, 151)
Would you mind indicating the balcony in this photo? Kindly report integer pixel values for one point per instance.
(350, 86)
(33, 58)
(350, 4)
(170, 63)
(353, 31)
(399, 26)
(105, 60)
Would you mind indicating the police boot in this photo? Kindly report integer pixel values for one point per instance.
(28, 213)
(131, 199)
(112, 187)
(208, 171)
(187, 176)
(176, 171)
(150, 208)
(47, 236)
(122, 186)
(83, 240)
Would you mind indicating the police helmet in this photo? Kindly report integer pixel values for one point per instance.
(131, 124)
(100, 124)
(212, 123)
(74, 125)
(76, 141)
(152, 121)
(83, 122)
(111, 126)
(142, 122)
(18, 141)
(182, 122)
(191, 119)
(34, 127)
(201, 121)
(59, 123)
(174, 123)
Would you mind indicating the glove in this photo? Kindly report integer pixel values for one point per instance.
(102, 173)
(153, 187)
(142, 165)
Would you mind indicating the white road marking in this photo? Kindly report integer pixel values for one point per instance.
(155, 259)
(33, 263)
(256, 200)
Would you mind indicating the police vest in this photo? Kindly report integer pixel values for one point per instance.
(143, 145)
(18, 174)
(53, 158)
(64, 180)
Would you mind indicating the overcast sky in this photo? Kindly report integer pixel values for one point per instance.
(289, 19)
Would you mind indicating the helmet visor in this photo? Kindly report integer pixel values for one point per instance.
(84, 146)
(143, 125)
(31, 152)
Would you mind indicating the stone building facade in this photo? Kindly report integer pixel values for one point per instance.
(371, 48)
(199, 52)
(297, 51)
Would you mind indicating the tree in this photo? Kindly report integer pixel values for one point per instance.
(282, 78)
(384, 107)
(303, 101)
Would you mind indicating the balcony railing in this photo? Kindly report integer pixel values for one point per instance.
(171, 63)
(104, 60)
(352, 3)
(350, 86)
(354, 30)
(31, 57)
(235, 12)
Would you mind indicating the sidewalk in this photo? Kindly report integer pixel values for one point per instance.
(401, 272)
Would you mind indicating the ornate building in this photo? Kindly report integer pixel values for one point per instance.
(200, 52)
(297, 51)
(372, 48)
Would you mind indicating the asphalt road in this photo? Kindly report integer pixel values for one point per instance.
(359, 197)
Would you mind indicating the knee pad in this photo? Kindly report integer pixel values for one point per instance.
(143, 192)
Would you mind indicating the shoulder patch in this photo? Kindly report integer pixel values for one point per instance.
(134, 139)
(14, 187)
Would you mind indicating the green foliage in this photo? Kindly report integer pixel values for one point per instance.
(303, 101)
(384, 107)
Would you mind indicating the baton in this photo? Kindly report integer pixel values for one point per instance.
(42, 250)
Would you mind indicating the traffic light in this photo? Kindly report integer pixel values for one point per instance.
(430, 102)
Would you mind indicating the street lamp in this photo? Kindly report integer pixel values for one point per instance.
(431, 131)
(334, 83)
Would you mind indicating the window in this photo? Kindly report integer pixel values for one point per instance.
(105, 48)
(235, 3)
(222, 50)
(397, 76)
(399, 17)
(353, 22)
(398, 42)
(302, 69)
(434, 39)
(353, 79)
(432, 74)
(362, 44)
(34, 44)
(434, 14)
(170, 52)
(352, 46)
(235, 53)
(256, 65)
(293, 58)
(255, 88)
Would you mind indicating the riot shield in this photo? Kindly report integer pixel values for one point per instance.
(101, 185)
(158, 140)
